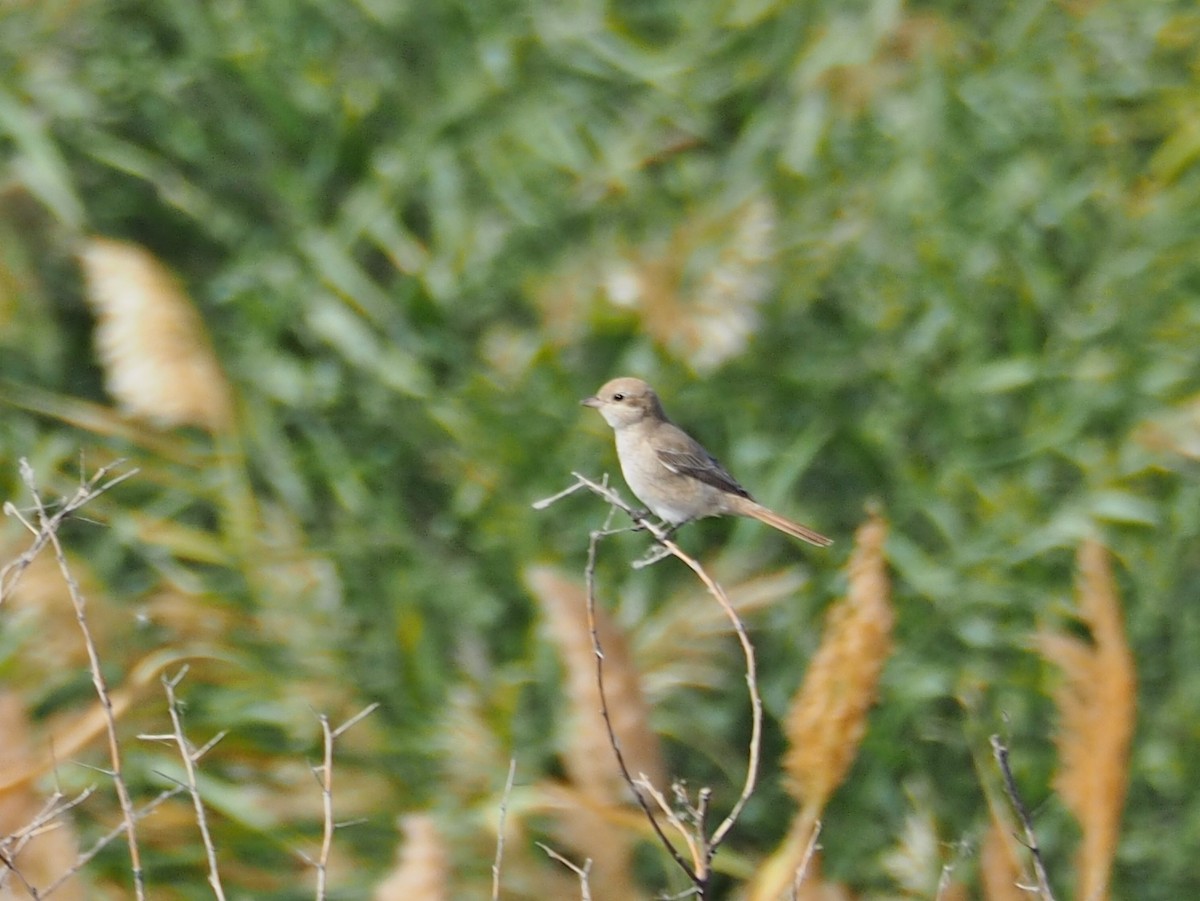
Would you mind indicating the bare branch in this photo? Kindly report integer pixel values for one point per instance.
(190, 756)
(44, 820)
(87, 491)
(105, 840)
(585, 891)
(324, 774)
(810, 851)
(1000, 752)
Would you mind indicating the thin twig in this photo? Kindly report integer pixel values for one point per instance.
(10, 867)
(43, 821)
(324, 775)
(105, 840)
(672, 816)
(810, 851)
(1000, 752)
(585, 891)
(508, 784)
(961, 851)
(190, 756)
(48, 526)
(87, 492)
(326, 780)
(547, 501)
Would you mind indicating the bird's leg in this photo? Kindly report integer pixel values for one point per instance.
(672, 528)
(641, 519)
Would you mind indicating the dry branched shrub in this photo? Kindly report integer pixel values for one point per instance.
(158, 360)
(588, 757)
(1000, 871)
(422, 871)
(1097, 708)
(53, 850)
(828, 717)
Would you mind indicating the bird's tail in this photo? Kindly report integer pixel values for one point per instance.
(757, 511)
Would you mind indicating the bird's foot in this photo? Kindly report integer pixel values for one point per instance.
(641, 519)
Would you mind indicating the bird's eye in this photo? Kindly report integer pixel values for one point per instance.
(618, 397)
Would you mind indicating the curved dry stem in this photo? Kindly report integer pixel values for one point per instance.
(690, 869)
(705, 847)
(739, 627)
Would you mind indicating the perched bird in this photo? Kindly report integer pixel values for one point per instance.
(668, 469)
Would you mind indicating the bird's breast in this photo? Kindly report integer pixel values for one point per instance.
(670, 496)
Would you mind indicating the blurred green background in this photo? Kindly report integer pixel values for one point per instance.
(940, 256)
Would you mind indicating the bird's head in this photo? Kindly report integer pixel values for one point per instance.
(625, 401)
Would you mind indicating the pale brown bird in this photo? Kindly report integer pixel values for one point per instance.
(668, 469)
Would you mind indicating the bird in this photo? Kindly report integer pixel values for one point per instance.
(670, 471)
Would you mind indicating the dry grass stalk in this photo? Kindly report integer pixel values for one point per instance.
(1097, 709)
(999, 868)
(422, 871)
(828, 717)
(588, 757)
(158, 360)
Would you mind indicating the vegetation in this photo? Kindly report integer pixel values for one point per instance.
(333, 278)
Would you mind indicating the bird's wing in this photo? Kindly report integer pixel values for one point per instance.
(684, 455)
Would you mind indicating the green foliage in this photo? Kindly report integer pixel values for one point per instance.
(939, 257)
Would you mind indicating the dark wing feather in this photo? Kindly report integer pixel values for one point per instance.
(698, 463)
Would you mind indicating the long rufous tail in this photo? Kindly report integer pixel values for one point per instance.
(757, 511)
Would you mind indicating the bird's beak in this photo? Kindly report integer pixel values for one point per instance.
(592, 402)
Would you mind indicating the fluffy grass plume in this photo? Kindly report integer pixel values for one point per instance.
(157, 357)
(828, 717)
(422, 871)
(1097, 709)
(1000, 874)
(587, 756)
